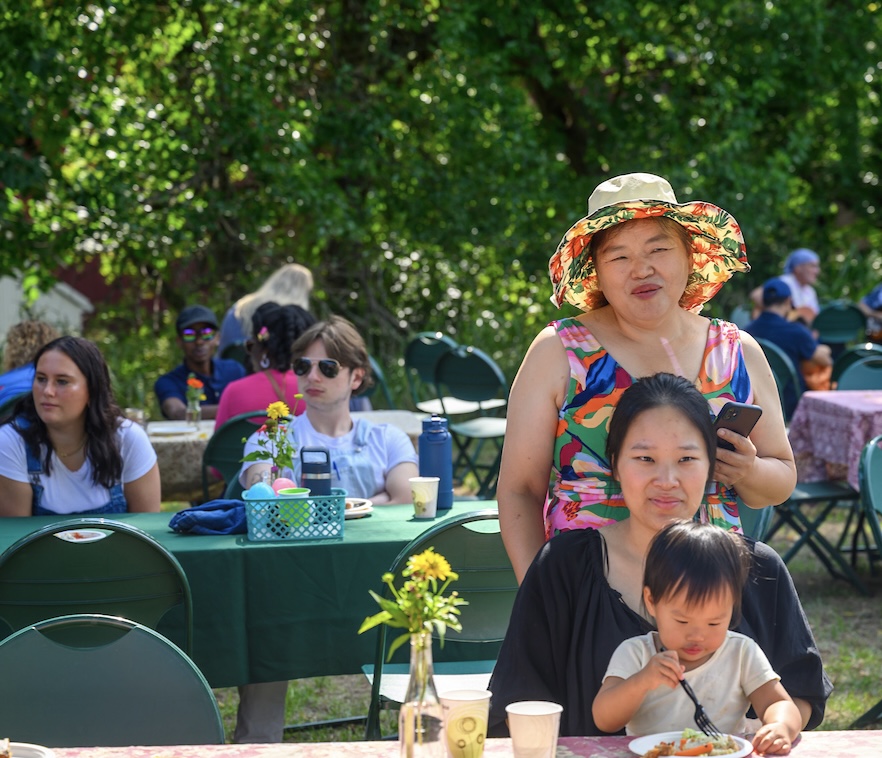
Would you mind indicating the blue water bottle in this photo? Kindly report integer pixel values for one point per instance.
(436, 458)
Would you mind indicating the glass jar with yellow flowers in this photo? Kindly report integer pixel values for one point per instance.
(419, 607)
(274, 443)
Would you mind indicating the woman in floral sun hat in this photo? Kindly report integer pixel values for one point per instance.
(640, 265)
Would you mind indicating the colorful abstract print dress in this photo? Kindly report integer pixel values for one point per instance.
(582, 493)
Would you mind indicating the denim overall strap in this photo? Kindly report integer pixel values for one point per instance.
(35, 468)
(116, 504)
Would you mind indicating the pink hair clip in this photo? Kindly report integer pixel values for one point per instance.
(263, 334)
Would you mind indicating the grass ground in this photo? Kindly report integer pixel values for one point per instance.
(847, 627)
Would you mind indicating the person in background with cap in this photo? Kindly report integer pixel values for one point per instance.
(198, 337)
(793, 337)
(639, 267)
(801, 271)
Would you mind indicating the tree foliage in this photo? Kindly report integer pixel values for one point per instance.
(424, 157)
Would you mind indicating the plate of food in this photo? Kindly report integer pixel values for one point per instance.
(356, 507)
(23, 750)
(79, 535)
(691, 740)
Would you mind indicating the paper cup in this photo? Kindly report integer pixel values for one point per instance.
(424, 492)
(466, 713)
(533, 726)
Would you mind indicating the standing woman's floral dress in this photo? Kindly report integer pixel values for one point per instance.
(582, 492)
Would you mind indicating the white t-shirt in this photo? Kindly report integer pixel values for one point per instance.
(722, 684)
(802, 295)
(66, 491)
(360, 460)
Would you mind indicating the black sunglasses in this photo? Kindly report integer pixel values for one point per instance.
(190, 335)
(328, 366)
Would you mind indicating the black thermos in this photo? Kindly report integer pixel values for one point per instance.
(315, 470)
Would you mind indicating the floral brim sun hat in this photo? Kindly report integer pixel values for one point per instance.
(717, 243)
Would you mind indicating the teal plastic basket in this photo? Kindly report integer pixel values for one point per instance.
(290, 519)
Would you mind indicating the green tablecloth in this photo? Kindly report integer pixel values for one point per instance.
(265, 611)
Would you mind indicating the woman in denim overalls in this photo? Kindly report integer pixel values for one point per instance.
(67, 449)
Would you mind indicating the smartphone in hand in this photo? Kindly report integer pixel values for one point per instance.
(740, 418)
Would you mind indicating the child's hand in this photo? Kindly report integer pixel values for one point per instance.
(772, 739)
(662, 669)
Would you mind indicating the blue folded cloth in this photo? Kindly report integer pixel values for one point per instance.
(213, 517)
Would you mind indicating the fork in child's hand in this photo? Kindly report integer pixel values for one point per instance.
(702, 720)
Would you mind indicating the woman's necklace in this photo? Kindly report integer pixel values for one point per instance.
(77, 449)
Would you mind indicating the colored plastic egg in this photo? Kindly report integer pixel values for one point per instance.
(260, 491)
(283, 483)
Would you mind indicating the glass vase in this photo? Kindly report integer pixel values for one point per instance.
(193, 414)
(420, 721)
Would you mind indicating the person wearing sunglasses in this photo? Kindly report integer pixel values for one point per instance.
(367, 460)
(196, 327)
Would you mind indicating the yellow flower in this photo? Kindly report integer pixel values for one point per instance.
(273, 442)
(277, 410)
(420, 605)
(430, 565)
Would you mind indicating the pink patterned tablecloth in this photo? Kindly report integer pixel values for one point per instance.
(829, 429)
(857, 744)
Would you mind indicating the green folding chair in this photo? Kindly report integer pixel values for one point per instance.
(853, 355)
(755, 522)
(863, 374)
(472, 544)
(94, 565)
(469, 375)
(840, 323)
(871, 512)
(785, 373)
(223, 453)
(96, 680)
(421, 356)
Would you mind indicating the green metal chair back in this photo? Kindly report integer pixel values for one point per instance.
(864, 374)
(224, 449)
(784, 371)
(67, 568)
(840, 323)
(870, 477)
(95, 680)
(755, 521)
(472, 544)
(853, 355)
(467, 374)
(421, 356)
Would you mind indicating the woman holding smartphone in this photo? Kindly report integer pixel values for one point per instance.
(639, 266)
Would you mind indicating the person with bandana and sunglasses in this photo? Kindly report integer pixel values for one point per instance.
(368, 460)
(197, 331)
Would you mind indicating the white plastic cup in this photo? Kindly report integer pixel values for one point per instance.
(466, 713)
(424, 493)
(534, 726)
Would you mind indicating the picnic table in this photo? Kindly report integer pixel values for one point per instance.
(852, 744)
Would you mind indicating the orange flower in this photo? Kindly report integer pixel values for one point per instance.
(195, 383)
